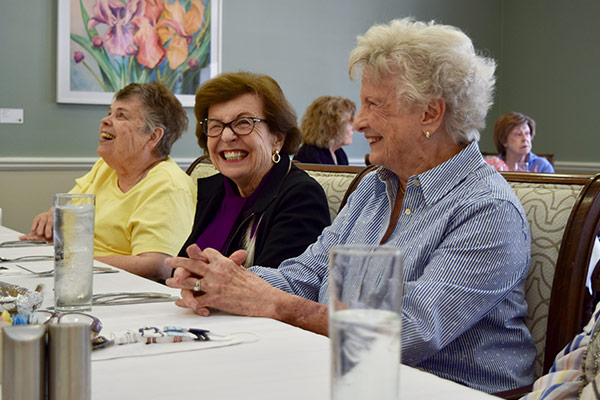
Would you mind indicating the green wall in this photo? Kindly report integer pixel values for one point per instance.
(304, 45)
(550, 55)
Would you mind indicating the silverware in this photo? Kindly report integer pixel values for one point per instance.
(50, 272)
(131, 298)
(26, 258)
(24, 243)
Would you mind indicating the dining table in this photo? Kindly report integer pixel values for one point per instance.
(245, 358)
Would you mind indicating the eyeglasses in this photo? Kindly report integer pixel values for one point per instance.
(241, 126)
(50, 317)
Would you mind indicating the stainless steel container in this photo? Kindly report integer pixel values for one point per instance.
(69, 362)
(24, 362)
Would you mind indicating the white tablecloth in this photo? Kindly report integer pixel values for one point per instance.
(268, 360)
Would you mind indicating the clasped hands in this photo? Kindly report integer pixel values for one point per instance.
(208, 280)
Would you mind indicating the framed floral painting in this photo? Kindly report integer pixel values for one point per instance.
(103, 45)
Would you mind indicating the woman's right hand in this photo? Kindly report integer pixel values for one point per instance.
(41, 228)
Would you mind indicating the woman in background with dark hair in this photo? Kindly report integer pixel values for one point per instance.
(513, 137)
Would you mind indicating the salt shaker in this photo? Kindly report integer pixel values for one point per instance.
(69, 362)
(24, 362)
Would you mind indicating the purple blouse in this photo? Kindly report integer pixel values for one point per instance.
(234, 206)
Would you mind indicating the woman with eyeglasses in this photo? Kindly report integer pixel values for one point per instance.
(260, 201)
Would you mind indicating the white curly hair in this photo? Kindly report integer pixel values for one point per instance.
(430, 61)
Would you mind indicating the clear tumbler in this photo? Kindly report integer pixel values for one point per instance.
(73, 251)
(365, 294)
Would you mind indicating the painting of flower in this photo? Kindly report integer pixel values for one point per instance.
(108, 44)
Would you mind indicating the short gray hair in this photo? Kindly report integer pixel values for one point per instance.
(431, 61)
(162, 109)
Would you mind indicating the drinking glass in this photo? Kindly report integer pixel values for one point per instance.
(521, 167)
(73, 251)
(365, 295)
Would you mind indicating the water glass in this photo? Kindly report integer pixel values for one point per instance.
(521, 167)
(365, 284)
(73, 251)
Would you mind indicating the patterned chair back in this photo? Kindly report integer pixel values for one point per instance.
(556, 206)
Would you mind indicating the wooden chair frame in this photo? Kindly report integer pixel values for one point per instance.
(571, 305)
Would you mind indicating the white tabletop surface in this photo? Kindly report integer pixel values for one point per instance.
(271, 360)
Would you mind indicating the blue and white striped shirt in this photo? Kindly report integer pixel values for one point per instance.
(466, 243)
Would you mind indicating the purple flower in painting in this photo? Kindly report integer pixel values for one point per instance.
(78, 56)
(97, 42)
(118, 17)
(192, 63)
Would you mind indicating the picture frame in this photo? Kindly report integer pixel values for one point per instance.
(153, 42)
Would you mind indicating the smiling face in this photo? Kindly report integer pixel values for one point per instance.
(243, 159)
(518, 141)
(122, 136)
(393, 131)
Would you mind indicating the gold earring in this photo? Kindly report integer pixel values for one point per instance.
(276, 157)
(427, 135)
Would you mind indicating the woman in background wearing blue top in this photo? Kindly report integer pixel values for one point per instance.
(513, 134)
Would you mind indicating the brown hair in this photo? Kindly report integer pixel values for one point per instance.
(161, 109)
(279, 114)
(505, 124)
(324, 122)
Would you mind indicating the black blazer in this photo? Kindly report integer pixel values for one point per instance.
(309, 153)
(292, 209)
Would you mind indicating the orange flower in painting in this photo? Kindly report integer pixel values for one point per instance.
(177, 27)
(150, 51)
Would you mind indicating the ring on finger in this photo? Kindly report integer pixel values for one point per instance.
(197, 286)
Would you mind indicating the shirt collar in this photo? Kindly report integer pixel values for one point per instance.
(438, 181)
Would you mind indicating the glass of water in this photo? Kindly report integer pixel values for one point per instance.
(73, 251)
(365, 295)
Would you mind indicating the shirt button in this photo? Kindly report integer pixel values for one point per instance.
(416, 182)
(407, 211)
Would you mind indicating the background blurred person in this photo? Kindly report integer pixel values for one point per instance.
(259, 202)
(144, 200)
(326, 127)
(513, 137)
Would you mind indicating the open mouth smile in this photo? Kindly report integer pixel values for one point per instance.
(373, 139)
(234, 155)
(106, 136)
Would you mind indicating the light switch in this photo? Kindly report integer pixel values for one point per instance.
(11, 115)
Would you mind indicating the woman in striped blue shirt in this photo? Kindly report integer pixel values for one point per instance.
(424, 97)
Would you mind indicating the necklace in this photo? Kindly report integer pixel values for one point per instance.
(401, 189)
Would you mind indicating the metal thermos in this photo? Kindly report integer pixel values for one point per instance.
(24, 362)
(69, 362)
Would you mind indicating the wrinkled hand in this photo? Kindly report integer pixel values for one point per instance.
(224, 284)
(41, 228)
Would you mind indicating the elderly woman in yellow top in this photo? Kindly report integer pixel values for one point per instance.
(144, 201)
